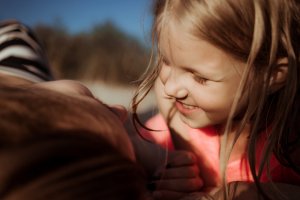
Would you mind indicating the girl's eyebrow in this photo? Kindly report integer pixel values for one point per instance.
(192, 69)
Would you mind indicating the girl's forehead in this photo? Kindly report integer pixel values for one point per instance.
(172, 38)
(175, 35)
(182, 49)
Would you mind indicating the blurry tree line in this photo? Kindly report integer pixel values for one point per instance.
(105, 53)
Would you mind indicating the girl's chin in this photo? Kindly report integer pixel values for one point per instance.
(195, 123)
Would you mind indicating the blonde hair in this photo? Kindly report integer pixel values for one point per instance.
(259, 33)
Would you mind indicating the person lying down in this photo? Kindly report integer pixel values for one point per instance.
(69, 145)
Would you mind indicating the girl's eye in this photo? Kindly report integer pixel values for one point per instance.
(200, 79)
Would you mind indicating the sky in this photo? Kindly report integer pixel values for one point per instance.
(131, 16)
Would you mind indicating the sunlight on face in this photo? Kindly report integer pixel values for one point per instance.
(197, 80)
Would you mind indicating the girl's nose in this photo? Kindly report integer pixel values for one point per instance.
(174, 87)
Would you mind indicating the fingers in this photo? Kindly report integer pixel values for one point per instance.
(181, 164)
(178, 178)
(189, 171)
(181, 158)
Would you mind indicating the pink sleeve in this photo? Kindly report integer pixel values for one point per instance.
(160, 133)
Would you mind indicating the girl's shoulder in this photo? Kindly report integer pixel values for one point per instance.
(157, 122)
(157, 131)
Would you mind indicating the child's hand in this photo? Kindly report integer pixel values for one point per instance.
(179, 177)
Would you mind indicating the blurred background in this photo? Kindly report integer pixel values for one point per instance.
(103, 43)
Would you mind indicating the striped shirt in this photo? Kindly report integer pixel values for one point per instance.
(21, 53)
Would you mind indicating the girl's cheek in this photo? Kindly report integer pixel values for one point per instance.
(164, 74)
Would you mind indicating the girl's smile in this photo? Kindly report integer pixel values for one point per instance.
(186, 109)
(201, 78)
(226, 78)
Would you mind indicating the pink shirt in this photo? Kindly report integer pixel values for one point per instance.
(206, 145)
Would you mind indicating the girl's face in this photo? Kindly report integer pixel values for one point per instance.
(197, 80)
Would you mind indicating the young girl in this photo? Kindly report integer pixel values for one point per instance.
(227, 83)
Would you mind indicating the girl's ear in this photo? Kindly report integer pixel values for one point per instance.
(279, 75)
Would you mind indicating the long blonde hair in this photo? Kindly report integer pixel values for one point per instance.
(259, 33)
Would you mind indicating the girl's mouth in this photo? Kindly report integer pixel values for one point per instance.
(185, 108)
